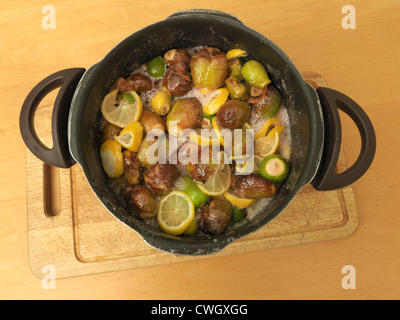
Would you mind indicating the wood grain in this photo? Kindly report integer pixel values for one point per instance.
(363, 63)
(70, 229)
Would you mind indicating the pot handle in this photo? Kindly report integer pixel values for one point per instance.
(59, 154)
(326, 177)
(215, 13)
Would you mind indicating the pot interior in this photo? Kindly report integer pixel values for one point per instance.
(186, 31)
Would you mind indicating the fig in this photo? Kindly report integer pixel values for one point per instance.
(237, 90)
(215, 217)
(255, 74)
(233, 114)
(150, 121)
(177, 58)
(186, 113)
(177, 83)
(209, 68)
(268, 103)
(235, 68)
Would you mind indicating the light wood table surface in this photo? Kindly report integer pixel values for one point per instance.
(363, 63)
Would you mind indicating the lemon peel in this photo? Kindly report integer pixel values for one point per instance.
(241, 203)
(131, 136)
(221, 95)
(112, 158)
(235, 53)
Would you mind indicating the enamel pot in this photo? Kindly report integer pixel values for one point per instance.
(314, 118)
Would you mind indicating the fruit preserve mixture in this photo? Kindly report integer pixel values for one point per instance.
(195, 139)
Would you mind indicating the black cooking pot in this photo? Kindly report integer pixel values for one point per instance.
(314, 118)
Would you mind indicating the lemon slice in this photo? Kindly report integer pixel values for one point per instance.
(175, 213)
(217, 131)
(218, 183)
(267, 145)
(235, 53)
(112, 158)
(241, 203)
(121, 112)
(219, 98)
(131, 136)
(203, 140)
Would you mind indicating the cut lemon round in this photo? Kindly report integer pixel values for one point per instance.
(218, 183)
(112, 158)
(219, 98)
(241, 203)
(267, 145)
(235, 53)
(175, 213)
(121, 110)
(131, 136)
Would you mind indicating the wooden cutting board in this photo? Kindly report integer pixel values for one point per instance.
(68, 227)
